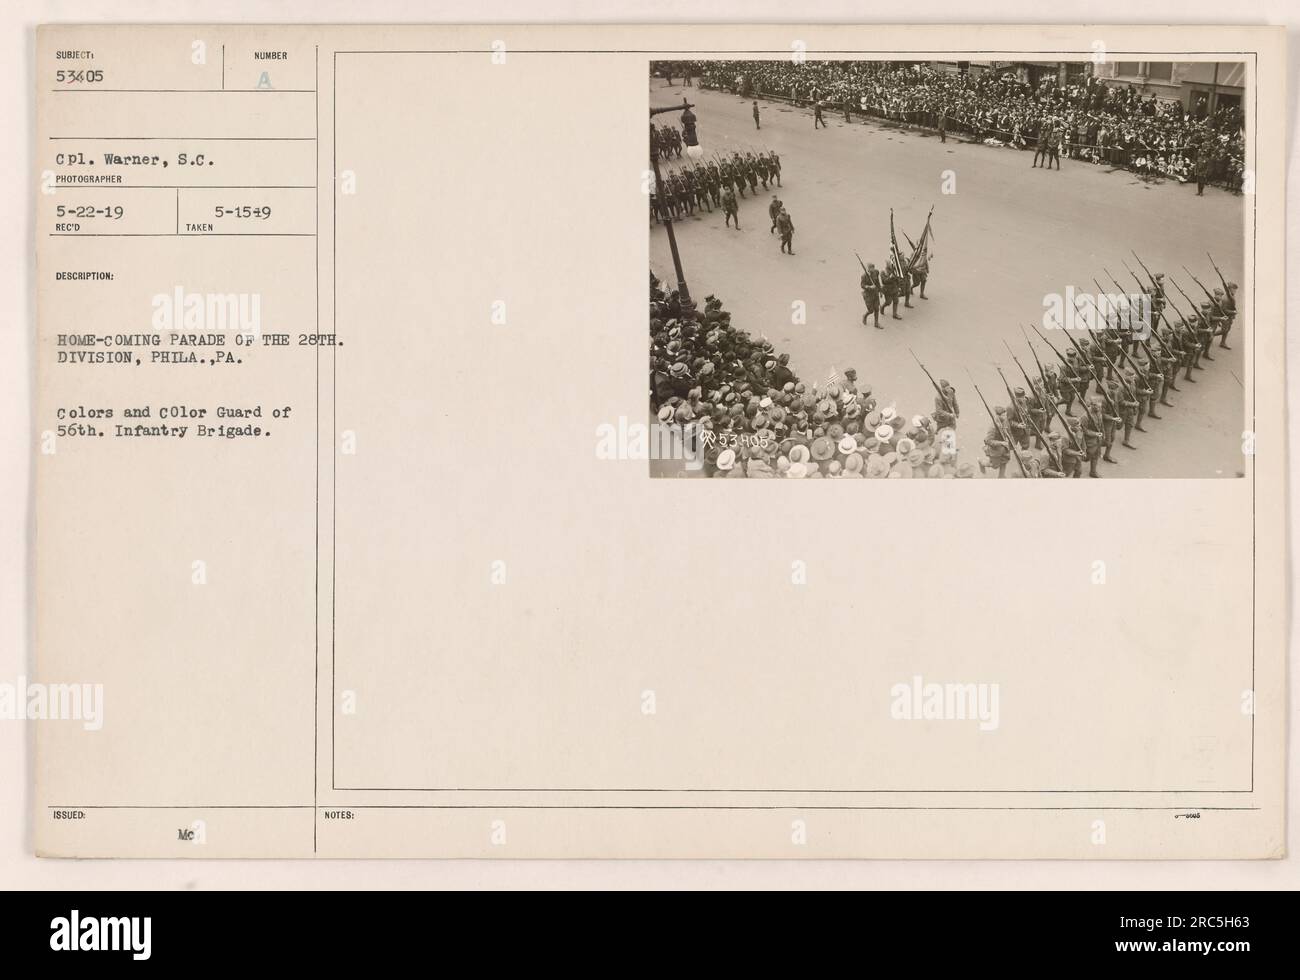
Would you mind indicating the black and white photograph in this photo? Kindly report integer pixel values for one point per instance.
(949, 269)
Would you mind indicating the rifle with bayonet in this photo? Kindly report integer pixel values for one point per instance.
(1219, 273)
(1041, 435)
(1006, 436)
(1209, 295)
(1043, 393)
(1180, 313)
(1122, 351)
(1068, 376)
(1196, 313)
(1067, 368)
(1115, 370)
(1152, 324)
(1155, 333)
(1080, 447)
(1022, 411)
(1042, 371)
(943, 395)
(1119, 317)
(1101, 384)
(1154, 284)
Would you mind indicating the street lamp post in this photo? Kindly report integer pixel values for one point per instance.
(693, 150)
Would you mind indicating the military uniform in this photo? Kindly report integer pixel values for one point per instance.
(872, 289)
(1113, 345)
(1128, 410)
(1153, 383)
(730, 208)
(1099, 361)
(686, 192)
(1051, 383)
(1206, 327)
(1054, 467)
(1073, 380)
(1094, 435)
(996, 446)
(1071, 454)
(1157, 295)
(1017, 419)
(786, 227)
(737, 171)
(1045, 140)
(1110, 421)
(1218, 325)
(1169, 359)
(893, 290)
(1185, 335)
(1036, 406)
(1202, 171)
(946, 411)
(700, 184)
(921, 272)
(1229, 308)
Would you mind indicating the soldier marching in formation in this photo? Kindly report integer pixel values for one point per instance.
(774, 210)
(786, 227)
(873, 288)
(1119, 376)
(667, 141)
(883, 289)
(731, 208)
(900, 276)
(696, 187)
(893, 290)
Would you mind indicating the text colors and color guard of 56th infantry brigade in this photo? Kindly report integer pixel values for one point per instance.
(1068, 402)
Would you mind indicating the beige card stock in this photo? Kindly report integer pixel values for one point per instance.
(333, 325)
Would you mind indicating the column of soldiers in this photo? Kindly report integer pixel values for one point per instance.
(668, 141)
(697, 187)
(1130, 366)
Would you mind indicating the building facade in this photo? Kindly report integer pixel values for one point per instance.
(1201, 87)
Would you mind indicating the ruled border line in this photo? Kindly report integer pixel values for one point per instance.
(1254, 78)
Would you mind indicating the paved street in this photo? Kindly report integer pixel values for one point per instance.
(1009, 236)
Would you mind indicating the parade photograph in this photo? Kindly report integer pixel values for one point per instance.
(949, 269)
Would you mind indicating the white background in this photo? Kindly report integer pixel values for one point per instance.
(18, 869)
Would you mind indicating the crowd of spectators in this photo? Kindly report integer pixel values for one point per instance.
(735, 398)
(1104, 124)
